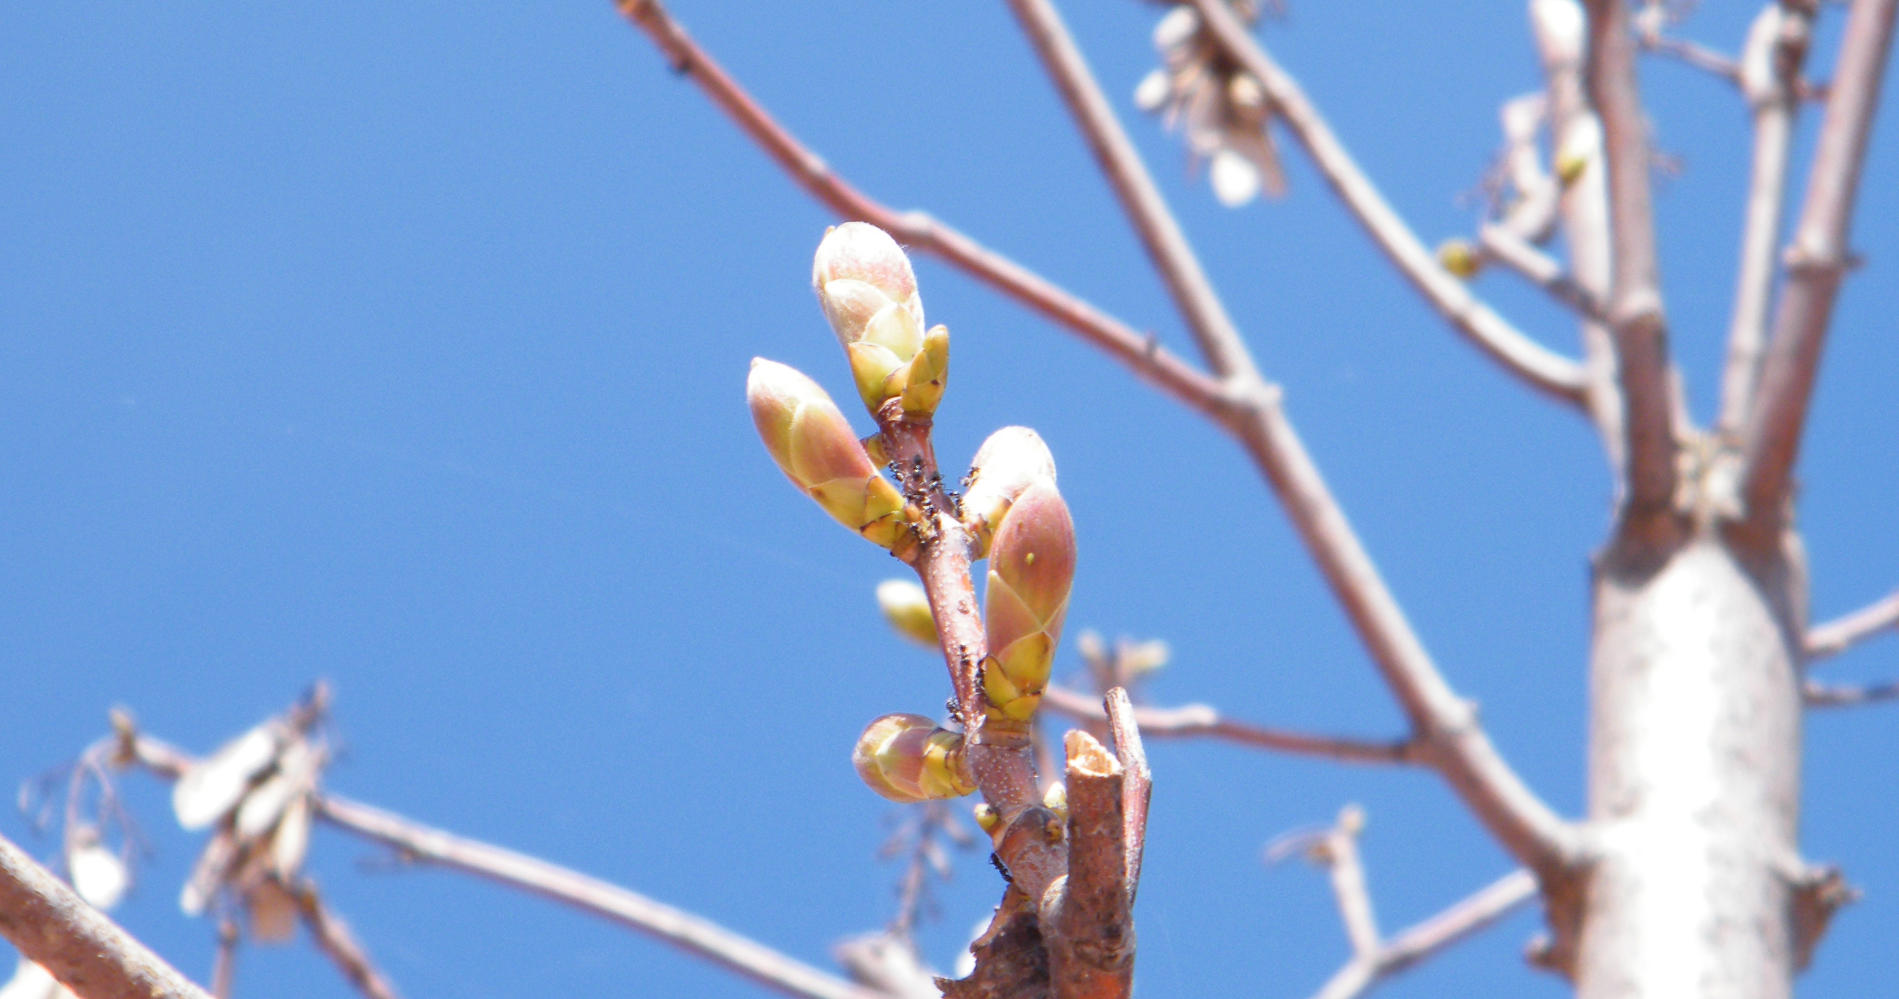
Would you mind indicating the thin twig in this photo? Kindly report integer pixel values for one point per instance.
(1826, 695)
(688, 932)
(1836, 636)
(1718, 64)
(1202, 721)
(89, 953)
(1543, 369)
(1138, 351)
(1637, 321)
(224, 961)
(1776, 48)
(1817, 262)
(1424, 939)
(1540, 269)
(334, 938)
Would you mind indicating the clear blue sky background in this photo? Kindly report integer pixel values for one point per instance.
(403, 345)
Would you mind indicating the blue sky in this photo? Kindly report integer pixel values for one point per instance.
(404, 346)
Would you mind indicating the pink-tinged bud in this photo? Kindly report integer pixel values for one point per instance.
(868, 292)
(1031, 570)
(909, 758)
(814, 446)
(1010, 461)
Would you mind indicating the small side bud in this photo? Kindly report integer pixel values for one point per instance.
(1031, 570)
(927, 374)
(987, 818)
(814, 446)
(1460, 258)
(909, 758)
(907, 610)
(1009, 462)
(868, 292)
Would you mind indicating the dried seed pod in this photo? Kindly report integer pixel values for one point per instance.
(215, 784)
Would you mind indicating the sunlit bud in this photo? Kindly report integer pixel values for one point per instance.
(98, 875)
(907, 608)
(869, 294)
(926, 375)
(1055, 799)
(909, 758)
(813, 444)
(1459, 257)
(1176, 28)
(1010, 461)
(1154, 90)
(1031, 569)
(214, 785)
(987, 818)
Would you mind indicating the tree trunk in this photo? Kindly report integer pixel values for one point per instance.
(1694, 768)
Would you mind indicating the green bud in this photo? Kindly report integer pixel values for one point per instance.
(907, 609)
(1010, 461)
(868, 292)
(909, 758)
(1459, 257)
(1031, 570)
(814, 446)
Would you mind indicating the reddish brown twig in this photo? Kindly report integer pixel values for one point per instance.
(1138, 785)
(1087, 916)
(89, 953)
(1827, 695)
(1138, 351)
(333, 937)
(1202, 721)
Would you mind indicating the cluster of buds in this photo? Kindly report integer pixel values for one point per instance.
(868, 292)
(1011, 514)
(255, 792)
(1222, 110)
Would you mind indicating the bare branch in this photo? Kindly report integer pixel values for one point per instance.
(1637, 323)
(54, 928)
(1138, 351)
(1817, 262)
(1848, 630)
(1717, 64)
(1543, 369)
(1561, 32)
(684, 930)
(1824, 695)
(1202, 721)
(1473, 914)
(1776, 48)
(334, 938)
(224, 961)
(1504, 245)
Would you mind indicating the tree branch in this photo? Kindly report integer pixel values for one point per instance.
(1475, 913)
(1546, 371)
(89, 953)
(693, 934)
(1776, 48)
(1138, 784)
(1504, 245)
(1202, 721)
(334, 938)
(1848, 630)
(1138, 351)
(1637, 323)
(1817, 262)
(1824, 695)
